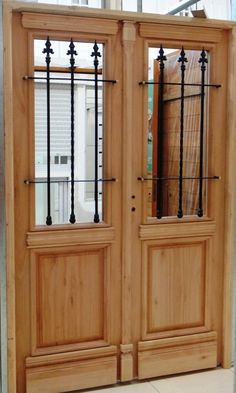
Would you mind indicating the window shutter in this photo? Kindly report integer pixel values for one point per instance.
(60, 119)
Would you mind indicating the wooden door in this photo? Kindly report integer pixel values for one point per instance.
(129, 296)
(180, 268)
(67, 275)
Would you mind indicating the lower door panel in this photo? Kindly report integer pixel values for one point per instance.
(176, 355)
(71, 371)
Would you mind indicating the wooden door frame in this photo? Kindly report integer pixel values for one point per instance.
(131, 19)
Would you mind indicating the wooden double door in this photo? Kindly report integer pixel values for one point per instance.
(131, 296)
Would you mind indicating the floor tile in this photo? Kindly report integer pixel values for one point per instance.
(140, 387)
(214, 381)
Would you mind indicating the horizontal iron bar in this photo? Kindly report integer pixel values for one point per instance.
(179, 98)
(26, 77)
(177, 178)
(67, 70)
(69, 181)
(179, 84)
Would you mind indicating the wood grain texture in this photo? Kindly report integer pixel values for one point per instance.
(21, 197)
(65, 357)
(174, 230)
(128, 39)
(73, 24)
(72, 376)
(172, 303)
(172, 357)
(66, 238)
(120, 15)
(50, 307)
(126, 373)
(9, 192)
(87, 296)
(168, 32)
(65, 311)
(69, 310)
(230, 198)
(175, 301)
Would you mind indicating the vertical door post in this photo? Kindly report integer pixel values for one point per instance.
(129, 37)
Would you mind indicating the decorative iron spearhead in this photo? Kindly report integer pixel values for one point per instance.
(161, 58)
(182, 59)
(48, 50)
(203, 59)
(72, 52)
(95, 54)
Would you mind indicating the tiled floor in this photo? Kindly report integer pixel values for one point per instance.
(214, 381)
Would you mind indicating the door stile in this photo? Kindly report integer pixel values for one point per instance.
(128, 40)
(216, 190)
(229, 207)
(9, 192)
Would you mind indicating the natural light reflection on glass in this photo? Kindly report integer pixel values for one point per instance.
(60, 119)
(165, 159)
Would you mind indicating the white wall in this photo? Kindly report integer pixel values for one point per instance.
(218, 9)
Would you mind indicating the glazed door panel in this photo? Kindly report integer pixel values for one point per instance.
(132, 295)
(67, 275)
(182, 252)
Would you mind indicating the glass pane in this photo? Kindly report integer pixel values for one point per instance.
(60, 134)
(164, 137)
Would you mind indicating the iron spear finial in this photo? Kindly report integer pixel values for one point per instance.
(48, 50)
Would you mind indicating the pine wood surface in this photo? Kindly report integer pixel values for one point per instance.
(133, 297)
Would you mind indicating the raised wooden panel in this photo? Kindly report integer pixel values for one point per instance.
(174, 287)
(71, 376)
(174, 300)
(172, 356)
(69, 298)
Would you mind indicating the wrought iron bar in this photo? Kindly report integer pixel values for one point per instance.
(182, 60)
(48, 51)
(65, 70)
(96, 54)
(113, 179)
(159, 192)
(177, 178)
(72, 53)
(113, 81)
(179, 84)
(203, 61)
(185, 97)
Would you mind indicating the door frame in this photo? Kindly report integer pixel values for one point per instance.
(130, 20)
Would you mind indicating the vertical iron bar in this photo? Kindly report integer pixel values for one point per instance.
(203, 61)
(96, 54)
(48, 50)
(72, 52)
(159, 192)
(182, 59)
